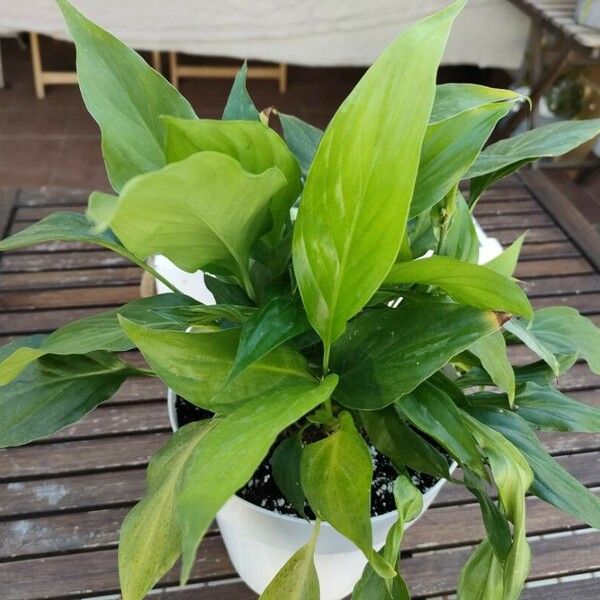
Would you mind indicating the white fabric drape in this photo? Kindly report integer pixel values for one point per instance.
(304, 32)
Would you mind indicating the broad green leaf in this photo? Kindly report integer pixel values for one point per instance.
(356, 200)
(506, 156)
(297, 579)
(229, 453)
(239, 104)
(226, 293)
(302, 139)
(199, 314)
(452, 99)
(57, 391)
(285, 463)
(196, 365)
(545, 408)
(482, 576)
(150, 539)
(506, 263)
(386, 353)
(98, 332)
(466, 283)
(513, 477)
(434, 413)
(409, 503)
(202, 212)
(522, 332)
(280, 320)
(336, 475)
(449, 148)
(125, 96)
(65, 227)
(461, 241)
(491, 351)
(256, 147)
(551, 483)
(403, 446)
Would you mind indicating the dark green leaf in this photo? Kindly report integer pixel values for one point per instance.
(239, 104)
(226, 293)
(386, 353)
(229, 453)
(285, 463)
(125, 97)
(302, 138)
(204, 315)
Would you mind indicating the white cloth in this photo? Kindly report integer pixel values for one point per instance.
(489, 33)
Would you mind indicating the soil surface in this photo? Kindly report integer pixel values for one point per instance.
(262, 491)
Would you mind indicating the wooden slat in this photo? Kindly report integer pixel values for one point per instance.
(502, 221)
(61, 261)
(556, 286)
(585, 303)
(40, 320)
(516, 206)
(540, 235)
(35, 213)
(52, 197)
(558, 267)
(580, 589)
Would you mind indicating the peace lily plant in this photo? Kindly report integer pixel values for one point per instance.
(351, 312)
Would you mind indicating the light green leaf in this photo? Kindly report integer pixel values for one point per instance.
(57, 391)
(452, 99)
(355, 203)
(125, 96)
(196, 366)
(150, 539)
(229, 453)
(285, 463)
(482, 576)
(336, 475)
(512, 477)
(506, 156)
(506, 263)
(297, 579)
(449, 148)
(491, 351)
(302, 139)
(278, 321)
(202, 212)
(434, 413)
(199, 314)
(98, 332)
(551, 482)
(403, 446)
(461, 241)
(239, 104)
(466, 283)
(256, 147)
(386, 353)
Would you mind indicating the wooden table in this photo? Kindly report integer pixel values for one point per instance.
(62, 500)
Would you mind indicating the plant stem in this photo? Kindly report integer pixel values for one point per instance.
(144, 265)
(326, 354)
(448, 210)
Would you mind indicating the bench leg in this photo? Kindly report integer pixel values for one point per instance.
(174, 69)
(36, 62)
(283, 78)
(156, 62)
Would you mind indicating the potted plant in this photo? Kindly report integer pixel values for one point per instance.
(356, 350)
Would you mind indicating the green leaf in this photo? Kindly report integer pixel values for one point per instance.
(506, 263)
(386, 353)
(125, 96)
(409, 503)
(239, 104)
(506, 156)
(199, 314)
(226, 293)
(278, 321)
(302, 139)
(65, 227)
(196, 366)
(466, 283)
(452, 99)
(229, 453)
(98, 332)
(449, 148)
(512, 477)
(285, 463)
(491, 351)
(150, 538)
(433, 412)
(297, 579)
(461, 241)
(403, 446)
(57, 391)
(551, 482)
(256, 147)
(355, 203)
(336, 477)
(186, 212)
(482, 576)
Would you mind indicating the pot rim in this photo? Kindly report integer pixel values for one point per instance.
(433, 491)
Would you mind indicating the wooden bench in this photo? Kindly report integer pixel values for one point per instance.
(62, 500)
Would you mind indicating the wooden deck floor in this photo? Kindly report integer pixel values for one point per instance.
(62, 500)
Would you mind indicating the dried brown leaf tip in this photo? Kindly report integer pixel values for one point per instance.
(503, 317)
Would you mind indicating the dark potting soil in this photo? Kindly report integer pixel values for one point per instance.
(262, 491)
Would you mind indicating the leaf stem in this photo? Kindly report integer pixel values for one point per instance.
(144, 265)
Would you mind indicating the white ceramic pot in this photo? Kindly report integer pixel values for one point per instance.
(259, 541)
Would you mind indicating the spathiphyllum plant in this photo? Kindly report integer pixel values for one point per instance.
(353, 324)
